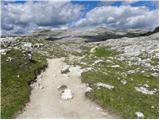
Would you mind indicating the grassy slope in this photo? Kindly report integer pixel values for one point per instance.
(123, 99)
(16, 89)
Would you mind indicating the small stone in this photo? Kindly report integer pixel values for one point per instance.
(139, 115)
(98, 108)
(62, 87)
(105, 85)
(88, 89)
(146, 85)
(124, 82)
(115, 66)
(65, 69)
(152, 107)
(131, 71)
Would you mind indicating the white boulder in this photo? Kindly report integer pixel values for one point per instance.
(88, 89)
(65, 69)
(145, 90)
(67, 94)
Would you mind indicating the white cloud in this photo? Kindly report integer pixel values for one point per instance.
(120, 17)
(29, 15)
(25, 17)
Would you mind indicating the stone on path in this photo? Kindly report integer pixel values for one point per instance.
(67, 94)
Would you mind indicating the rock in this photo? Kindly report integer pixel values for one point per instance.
(104, 85)
(115, 66)
(3, 51)
(131, 71)
(124, 82)
(98, 61)
(65, 69)
(8, 41)
(66, 94)
(146, 85)
(9, 59)
(26, 45)
(88, 89)
(37, 45)
(98, 108)
(76, 71)
(145, 90)
(139, 115)
(109, 61)
(62, 87)
(155, 74)
(92, 50)
(152, 107)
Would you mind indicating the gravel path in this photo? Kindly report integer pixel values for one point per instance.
(45, 100)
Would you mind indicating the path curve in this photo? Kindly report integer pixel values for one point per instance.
(45, 101)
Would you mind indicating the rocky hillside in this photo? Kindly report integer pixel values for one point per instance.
(91, 35)
(119, 67)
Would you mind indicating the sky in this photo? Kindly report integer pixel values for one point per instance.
(21, 17)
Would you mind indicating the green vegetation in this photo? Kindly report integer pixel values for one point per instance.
(103, 52)
(17, 73)
(123, 98)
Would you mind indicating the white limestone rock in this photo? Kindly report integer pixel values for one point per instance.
(105, 85)
(145, 90)
(139, 115)
(67, 94)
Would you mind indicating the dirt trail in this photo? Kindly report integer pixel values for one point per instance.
(45, 100)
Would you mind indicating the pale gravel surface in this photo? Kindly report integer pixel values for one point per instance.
(45, 101)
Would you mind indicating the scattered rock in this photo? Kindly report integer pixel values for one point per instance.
(66, 94)
(98, 61)
(88, 89)
(146, 85)
(8, 41)
(139, 115)
(26, 45)
(155, 74)
(62, 87)
(104, 85)
(152, 107)
(115, 66)
(124, 82)
(9, 59)
(145, 90)
(92, 50)
(3, 51)
(98, 108)
(37, 45)
(109, 61)
(76, 71)
(65, 69)
(131, 71)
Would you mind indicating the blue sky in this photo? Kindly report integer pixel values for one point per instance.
(24, 16)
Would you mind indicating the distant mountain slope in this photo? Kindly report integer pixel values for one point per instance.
(90, 35)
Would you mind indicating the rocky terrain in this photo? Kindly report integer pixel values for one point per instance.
(118, 70)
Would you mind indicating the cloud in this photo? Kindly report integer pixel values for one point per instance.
(20, 17)
(23, 17)
(129, 2)
(120, 17)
